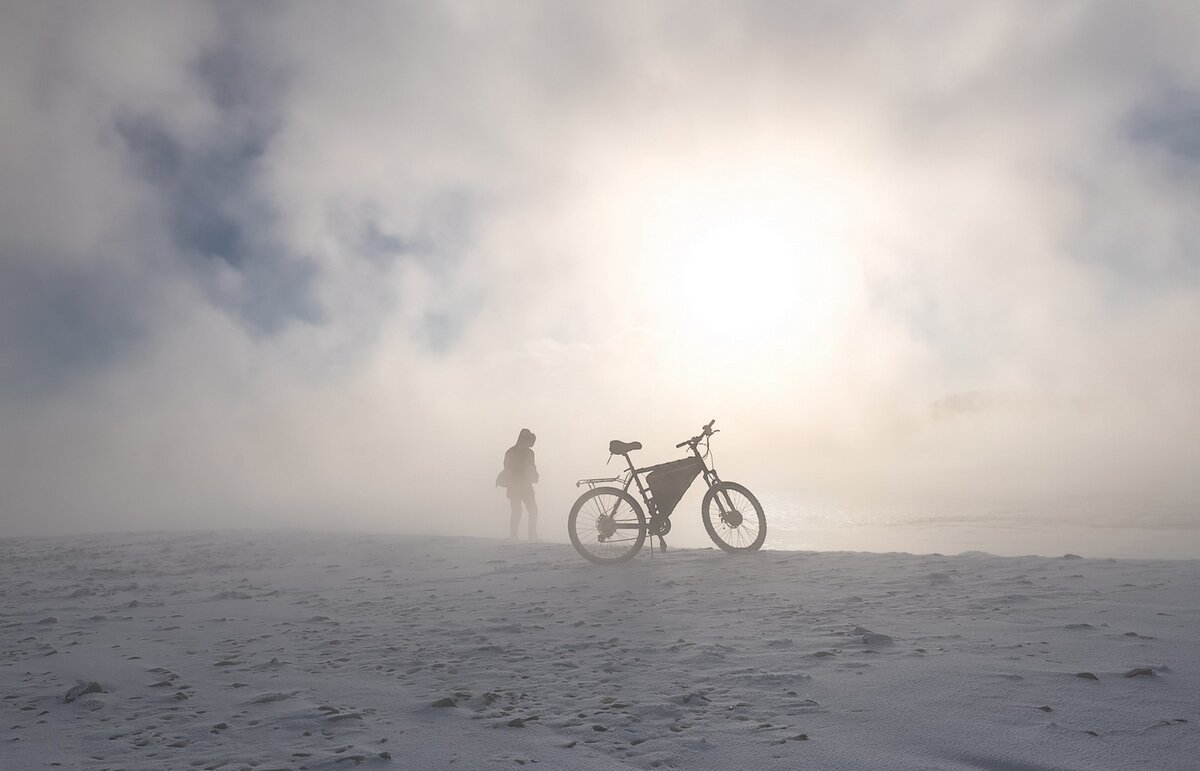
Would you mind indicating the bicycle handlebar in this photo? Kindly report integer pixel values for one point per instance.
(707, 431)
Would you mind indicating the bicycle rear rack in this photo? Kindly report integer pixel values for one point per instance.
(591, 483)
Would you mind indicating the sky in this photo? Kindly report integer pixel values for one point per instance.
(313, 264)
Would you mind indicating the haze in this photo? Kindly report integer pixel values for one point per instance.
(315, 265)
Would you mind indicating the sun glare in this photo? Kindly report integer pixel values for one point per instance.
(750, 260)
(741, 276)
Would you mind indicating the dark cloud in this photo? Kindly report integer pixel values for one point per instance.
(434, 232)
(209, 186)
(59, 326)
(1135, 196)
(1167, 122)
(372, 240)
(206, 193)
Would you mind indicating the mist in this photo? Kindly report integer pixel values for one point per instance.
(302, 265)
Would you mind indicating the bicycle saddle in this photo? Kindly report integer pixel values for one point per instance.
(617, 447)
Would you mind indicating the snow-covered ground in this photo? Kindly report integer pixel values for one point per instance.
(319, 651)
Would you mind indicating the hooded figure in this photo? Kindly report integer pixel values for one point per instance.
(518, 476)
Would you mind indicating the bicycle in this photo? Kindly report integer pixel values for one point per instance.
(608, 526)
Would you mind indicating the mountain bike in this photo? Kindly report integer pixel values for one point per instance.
(607, 525)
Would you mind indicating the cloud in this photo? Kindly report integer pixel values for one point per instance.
(281, 263)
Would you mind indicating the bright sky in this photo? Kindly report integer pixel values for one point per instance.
(318, 263)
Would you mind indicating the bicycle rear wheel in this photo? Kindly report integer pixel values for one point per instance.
(734, 518)
(607, 526)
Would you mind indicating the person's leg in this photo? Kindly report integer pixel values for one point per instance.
(531, 505)
(515, 519)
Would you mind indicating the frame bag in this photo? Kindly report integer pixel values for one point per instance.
(669, 481)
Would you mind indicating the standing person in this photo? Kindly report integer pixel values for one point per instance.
(518, 475)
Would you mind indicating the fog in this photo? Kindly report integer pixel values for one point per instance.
(315, 265)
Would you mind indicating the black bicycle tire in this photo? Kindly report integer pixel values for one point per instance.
(706, 515)
(579, 547)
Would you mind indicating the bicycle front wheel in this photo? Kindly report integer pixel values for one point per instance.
(607, 526)
(734, 518)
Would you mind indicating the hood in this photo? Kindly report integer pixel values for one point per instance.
(526, 438)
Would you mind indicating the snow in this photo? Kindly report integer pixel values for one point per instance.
(321, 651)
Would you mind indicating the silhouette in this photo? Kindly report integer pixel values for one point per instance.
(518, 475)
(607, 525)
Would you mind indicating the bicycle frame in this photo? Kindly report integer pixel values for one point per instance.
(633, 476)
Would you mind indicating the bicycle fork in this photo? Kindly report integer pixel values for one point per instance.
(724, 502)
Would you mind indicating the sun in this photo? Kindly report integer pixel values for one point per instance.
(742, 275)
(750, 261)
